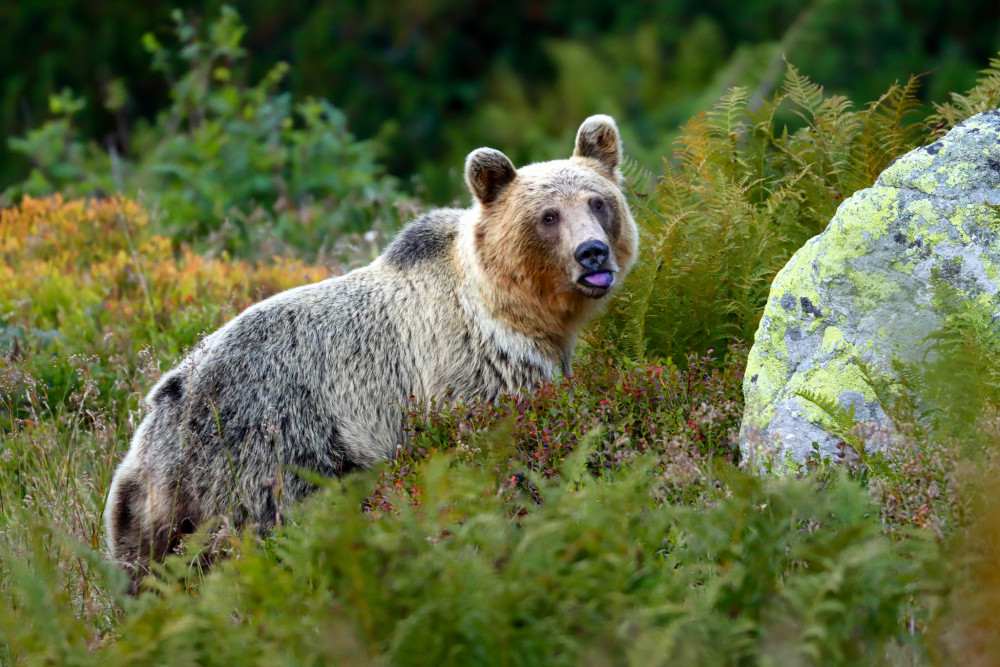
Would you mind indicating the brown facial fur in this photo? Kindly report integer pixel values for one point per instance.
(531, 268)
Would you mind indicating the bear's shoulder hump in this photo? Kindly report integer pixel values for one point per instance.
(427, 238)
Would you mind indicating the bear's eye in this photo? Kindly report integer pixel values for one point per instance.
(597, 204)
(550, 217)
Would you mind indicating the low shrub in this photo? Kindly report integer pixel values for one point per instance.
(770, 571)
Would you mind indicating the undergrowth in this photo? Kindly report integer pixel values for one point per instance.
(602, 519)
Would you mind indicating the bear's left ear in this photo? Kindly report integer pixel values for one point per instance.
(487, 173)
(598, 139)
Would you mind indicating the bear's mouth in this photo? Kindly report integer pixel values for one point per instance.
(598, 281)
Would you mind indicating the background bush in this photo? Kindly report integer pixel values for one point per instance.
(427, 77)
(231, 166)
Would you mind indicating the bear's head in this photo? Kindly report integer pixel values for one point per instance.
(552, 240)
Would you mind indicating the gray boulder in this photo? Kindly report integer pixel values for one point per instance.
(865, 290)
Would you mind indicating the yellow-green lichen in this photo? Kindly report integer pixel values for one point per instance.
(991, 269)
(905, 264)
(831, 380)
(796, 277)
(872, 288)
(959, 174)
(975, 217)
(924, 212)
(877, 207)
(906, 170)
(832, 337)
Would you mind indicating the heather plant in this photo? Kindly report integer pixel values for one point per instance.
(90, 278)
(686, 420)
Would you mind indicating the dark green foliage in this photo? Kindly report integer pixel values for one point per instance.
(779, 570)
(413, 74)
(241, 167)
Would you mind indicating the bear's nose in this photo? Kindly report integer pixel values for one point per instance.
(592, 254)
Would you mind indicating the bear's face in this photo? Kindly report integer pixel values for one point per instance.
(554, 235)
(570, 221)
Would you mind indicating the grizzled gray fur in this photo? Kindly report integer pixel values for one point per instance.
(465, 303)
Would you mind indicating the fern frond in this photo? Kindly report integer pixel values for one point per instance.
(843, 418)
(805, 94)
(727, 113)
(887, 134)
(638, 178)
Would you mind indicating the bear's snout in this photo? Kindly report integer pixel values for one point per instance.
(592, 254)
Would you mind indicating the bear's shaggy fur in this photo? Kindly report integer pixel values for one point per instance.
(467, 304)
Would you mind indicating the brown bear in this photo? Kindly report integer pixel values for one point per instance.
(464, 304)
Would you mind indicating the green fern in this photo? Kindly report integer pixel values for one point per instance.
(842, 418)
(887, 133)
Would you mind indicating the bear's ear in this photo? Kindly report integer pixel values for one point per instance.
(598, 139)
(487, 173)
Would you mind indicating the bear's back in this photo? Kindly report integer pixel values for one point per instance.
(288, 373)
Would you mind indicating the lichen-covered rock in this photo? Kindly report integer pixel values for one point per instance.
(865, 289)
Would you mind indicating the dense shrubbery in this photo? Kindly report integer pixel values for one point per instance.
(779, 570)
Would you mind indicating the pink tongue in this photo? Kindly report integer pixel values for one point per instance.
(602, 279)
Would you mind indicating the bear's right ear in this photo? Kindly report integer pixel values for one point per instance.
(487, 173)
